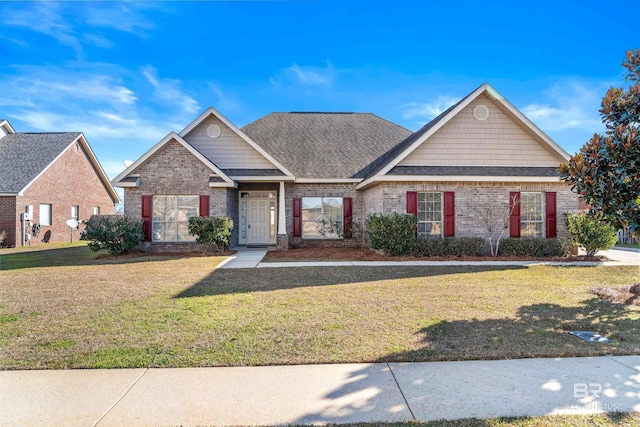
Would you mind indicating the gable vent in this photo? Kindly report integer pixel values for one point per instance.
(481, 112)
(213, 131)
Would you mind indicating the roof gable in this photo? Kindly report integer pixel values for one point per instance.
(124, 179)
(231, 148)
(5, 128)
(399, 153)
(498, 139)
(25, 156)
(325, 146)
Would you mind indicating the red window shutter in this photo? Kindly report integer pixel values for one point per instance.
(347, 213)
(551, 214)
(514, 208)
(449, 214)
(204, 205)
(297, 217)
(146, 217)
(412, 202)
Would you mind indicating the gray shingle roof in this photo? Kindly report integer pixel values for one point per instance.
(325, 145)
(474, 171)
(24, 155)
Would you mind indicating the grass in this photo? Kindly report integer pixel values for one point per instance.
(628, 245)
(617, 419)
(61, 307)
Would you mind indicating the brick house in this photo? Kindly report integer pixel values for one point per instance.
(305, 178)
(53, 177)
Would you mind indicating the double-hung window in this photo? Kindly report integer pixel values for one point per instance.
(531, 214)
(45, 214)
(429, 214)
(322, 217)
(171, 217)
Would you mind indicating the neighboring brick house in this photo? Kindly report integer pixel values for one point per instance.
(52, 176)
(304, 178)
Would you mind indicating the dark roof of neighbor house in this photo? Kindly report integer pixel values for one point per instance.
(325, 145)
(24, 155)
(474, 171)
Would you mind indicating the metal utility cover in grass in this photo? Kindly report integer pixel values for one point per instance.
(590, 336)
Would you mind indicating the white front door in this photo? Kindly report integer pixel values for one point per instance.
(258, 222)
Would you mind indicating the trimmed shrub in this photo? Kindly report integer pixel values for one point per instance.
(3, 235)
(115, 233)
(537, 247)
(592, 232)
(449, 246)
(211, 230)
(393, 234)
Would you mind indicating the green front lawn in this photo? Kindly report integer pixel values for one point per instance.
(61, 307)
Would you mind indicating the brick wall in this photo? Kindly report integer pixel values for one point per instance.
(174, 170)
(321, 190)
(71, 180)
(472, 200)
(8, 220)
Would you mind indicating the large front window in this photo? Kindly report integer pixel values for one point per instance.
(322, 217)
(171, 217)
(429, 214)
(531, 214)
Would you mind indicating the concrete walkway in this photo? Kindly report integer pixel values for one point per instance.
(341, 393)
(251, 258)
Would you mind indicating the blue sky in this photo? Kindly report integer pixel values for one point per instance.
(128, 73)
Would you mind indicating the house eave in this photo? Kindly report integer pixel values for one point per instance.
(10, 194)
(328, 180)
(223, 185)
(262, 178)
(450, 178)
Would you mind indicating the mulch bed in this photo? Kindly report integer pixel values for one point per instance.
(357, 254)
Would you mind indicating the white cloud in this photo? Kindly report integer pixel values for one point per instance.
(570, 105)
(306, 75)
(45, 18)
(170, 90)
(120, 17)
(48, 84)
(427, 111)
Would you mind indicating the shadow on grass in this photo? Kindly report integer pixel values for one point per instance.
(539, 330)
(70, 256)
(235, 281)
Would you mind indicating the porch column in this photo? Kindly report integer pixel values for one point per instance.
(282, 222)
(282, 240)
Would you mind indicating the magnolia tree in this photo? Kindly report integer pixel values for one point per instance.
(606, 171)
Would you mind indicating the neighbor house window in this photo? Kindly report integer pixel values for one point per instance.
(531, 214)
(171, 217)
(429, 214)
(45, 214)
(96, 210)
(75, 212)
(322, 217)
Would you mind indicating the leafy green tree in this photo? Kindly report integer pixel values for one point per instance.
(591, 232)
(606, 171)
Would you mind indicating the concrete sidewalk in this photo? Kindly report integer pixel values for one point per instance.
(340, 393)
(252, 258)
